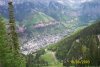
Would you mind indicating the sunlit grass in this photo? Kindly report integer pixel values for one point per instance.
(51, 59)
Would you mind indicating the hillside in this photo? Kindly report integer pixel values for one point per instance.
(37, 18)
(81, 45)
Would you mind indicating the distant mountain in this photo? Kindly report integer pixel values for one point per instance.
(57, 9)
(24, 9)
(90, 11)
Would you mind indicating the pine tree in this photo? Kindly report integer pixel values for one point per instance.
(2, 42)
(9, 46)
(13, 34)
(6, 55)
(19, 60)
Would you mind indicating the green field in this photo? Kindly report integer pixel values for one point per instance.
(51, 59)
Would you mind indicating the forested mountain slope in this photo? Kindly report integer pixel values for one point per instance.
(82, 45)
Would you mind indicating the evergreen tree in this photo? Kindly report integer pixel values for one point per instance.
(3, 42)
(9, 46)
(6, 55)
(19, 60)
(12, 27)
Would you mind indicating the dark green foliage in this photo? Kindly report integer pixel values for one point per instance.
(81, 45)
(3, 42)
(8, 57)
(34, 60)
(9, 46)
(39, 53)
(13, 34)
(18, 60)
(52, 47)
